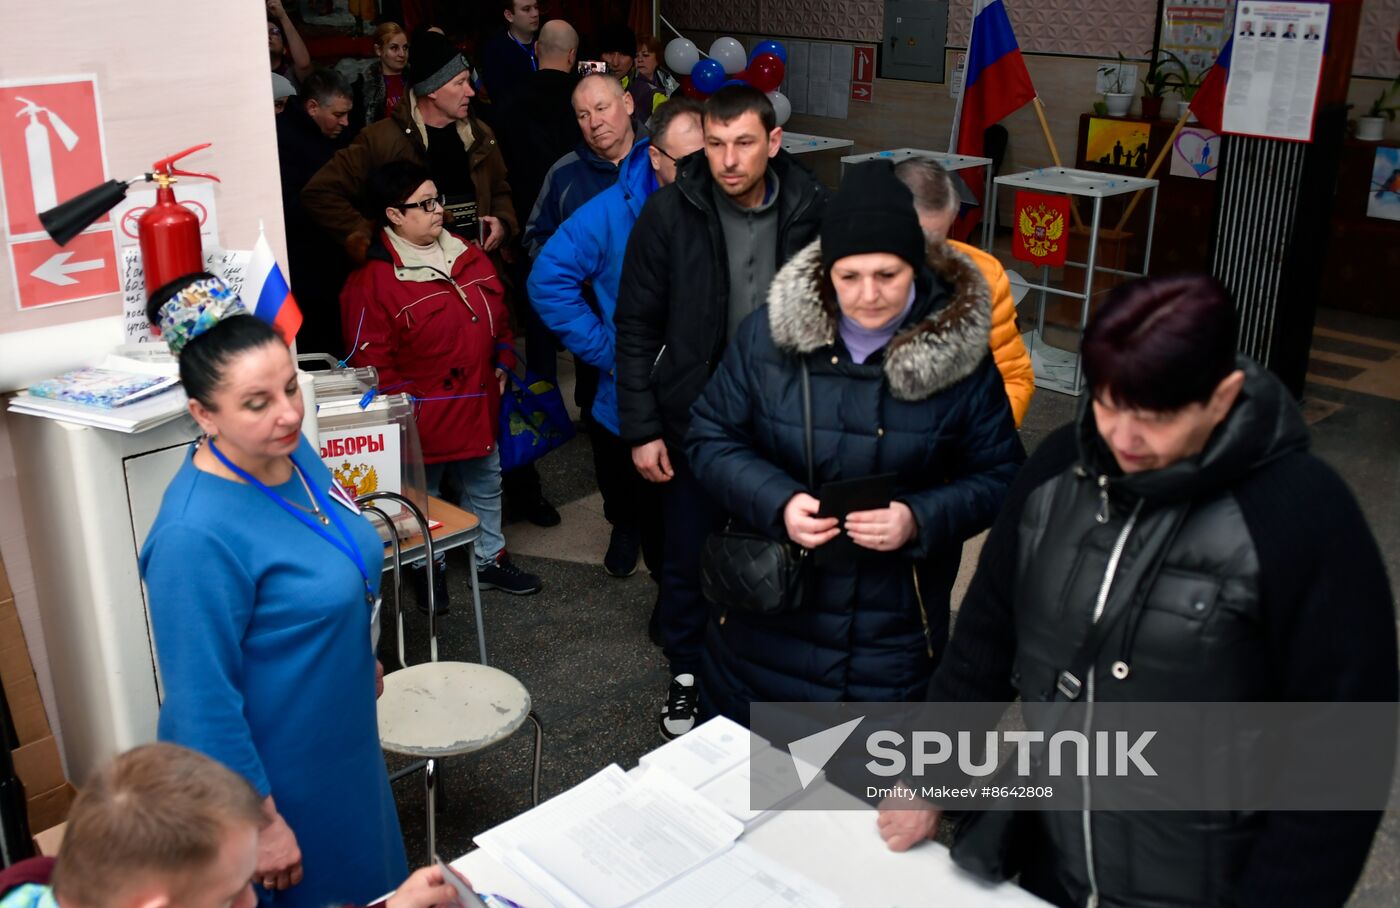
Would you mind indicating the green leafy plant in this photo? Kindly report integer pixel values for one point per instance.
(1158, 81)
(1387, 102)
(1178, 77)
(1117, 88)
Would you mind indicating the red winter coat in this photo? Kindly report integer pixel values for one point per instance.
(435, 337)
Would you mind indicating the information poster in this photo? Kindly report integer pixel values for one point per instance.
(1195, 32)
(1275, 69)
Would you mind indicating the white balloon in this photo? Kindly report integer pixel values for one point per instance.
(781, 106)
(731, 53)
(681, 56)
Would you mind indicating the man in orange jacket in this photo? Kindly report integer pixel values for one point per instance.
(936, 202)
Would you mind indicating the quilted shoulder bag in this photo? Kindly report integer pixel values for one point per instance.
(753, 572)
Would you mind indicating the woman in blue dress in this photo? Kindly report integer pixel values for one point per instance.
(262, 578)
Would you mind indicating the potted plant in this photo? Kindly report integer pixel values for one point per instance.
(1371, 127)
(1118, 98)
(1154, 86)
(1180, 80)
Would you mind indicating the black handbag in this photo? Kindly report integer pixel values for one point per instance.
(750, 571)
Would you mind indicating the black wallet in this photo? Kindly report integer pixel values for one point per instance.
(845, 496)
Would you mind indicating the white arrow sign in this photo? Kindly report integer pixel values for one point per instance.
(811, 753)
(57, 269)
(861, 92)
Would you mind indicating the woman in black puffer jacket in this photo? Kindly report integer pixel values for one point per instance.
(895, 342)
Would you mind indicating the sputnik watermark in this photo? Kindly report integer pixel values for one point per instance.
(1101, 754)
(1236, 756)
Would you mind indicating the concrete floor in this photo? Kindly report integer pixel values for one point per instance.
(581, 645)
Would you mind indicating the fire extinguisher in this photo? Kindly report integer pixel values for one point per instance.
(168, 231)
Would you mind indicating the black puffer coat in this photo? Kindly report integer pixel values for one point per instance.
(1269, 587)
(672, 304)
(930, 408)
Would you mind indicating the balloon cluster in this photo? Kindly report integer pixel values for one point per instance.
(726, 65)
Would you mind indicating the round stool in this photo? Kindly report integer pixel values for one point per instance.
(444, 709)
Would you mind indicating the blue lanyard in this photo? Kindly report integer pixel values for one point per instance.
(528, 48)
(345, 542)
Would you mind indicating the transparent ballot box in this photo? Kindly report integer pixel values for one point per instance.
(369, 441)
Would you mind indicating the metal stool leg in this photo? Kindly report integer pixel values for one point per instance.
(539, 745)
(430, 784)
(476, 602)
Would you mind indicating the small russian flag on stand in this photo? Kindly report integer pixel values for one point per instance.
(996, 84)
(266, 293)
(1208, 104)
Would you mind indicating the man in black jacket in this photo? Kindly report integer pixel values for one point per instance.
(699, 260)
(309, 132)
(538, 127)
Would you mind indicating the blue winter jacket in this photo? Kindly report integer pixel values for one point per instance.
(573, 181)
(588, 249)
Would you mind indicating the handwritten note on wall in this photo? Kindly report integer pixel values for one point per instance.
(229, 264)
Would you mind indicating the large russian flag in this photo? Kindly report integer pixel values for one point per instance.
(996, 83)
(265, 291)
(1208, 104)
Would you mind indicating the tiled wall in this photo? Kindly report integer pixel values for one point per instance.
(1092, 28)
(833, 20)
(1376, 52)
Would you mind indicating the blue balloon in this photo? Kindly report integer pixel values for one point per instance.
(770, 47)
(708, 75)
(734, 82)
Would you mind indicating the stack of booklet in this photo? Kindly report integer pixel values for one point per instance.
(122, 395)
(665, 836)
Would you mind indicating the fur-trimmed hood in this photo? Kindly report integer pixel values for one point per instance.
(941, 349)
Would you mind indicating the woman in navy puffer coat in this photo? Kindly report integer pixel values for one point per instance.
(902, 382)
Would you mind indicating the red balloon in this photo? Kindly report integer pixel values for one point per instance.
(765, 72)
(689, 90)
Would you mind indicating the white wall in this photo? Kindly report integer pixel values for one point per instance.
(170, 74)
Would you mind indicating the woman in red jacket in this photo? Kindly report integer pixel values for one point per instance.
(427, 311)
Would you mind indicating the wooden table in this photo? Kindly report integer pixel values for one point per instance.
(459, 528)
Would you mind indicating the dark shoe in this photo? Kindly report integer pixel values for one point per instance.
(420, 588)
(678, 715)
(506, 577)
(541, 513)
(623, 549)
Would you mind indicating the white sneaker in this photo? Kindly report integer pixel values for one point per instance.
(678, 715)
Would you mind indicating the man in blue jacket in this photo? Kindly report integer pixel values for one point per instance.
(587, 251)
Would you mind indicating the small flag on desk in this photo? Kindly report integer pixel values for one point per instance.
(265, 291)
(1208, 104)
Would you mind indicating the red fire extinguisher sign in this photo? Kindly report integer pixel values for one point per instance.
(51, 149)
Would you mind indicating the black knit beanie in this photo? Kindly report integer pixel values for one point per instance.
(433, 62)
(872, 212)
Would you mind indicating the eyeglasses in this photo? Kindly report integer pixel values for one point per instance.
(666, 154)
(428, 205)
(273, 30)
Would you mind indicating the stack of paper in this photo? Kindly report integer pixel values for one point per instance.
(751, 791)
(650, 838)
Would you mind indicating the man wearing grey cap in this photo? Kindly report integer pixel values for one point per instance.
(432, 128)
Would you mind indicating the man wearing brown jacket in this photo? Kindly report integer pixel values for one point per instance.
(431, 128)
